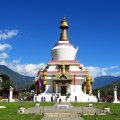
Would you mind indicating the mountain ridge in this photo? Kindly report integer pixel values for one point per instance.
(20, 81)
(104, 80)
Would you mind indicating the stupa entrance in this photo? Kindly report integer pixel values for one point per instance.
(63, 90)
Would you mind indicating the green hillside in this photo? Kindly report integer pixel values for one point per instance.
(108, 89)
(18, 80)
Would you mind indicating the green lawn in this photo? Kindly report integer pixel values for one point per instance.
(114, 108)
(10, 113)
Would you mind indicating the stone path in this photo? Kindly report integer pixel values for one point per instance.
(53, 113)
(63, 118)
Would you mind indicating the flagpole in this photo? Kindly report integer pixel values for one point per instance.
(74, 81)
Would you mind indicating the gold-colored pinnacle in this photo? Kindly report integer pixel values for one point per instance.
(63, 69)
(64, 26)
(87, 72)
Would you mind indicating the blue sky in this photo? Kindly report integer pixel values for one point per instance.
(30, 28)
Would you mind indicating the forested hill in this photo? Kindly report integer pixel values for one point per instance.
(109, 89)
(17, 79)
(104, 80)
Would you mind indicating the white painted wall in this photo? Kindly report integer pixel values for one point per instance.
(77, 89)
(49, 88)
(64, 53)
(52, 68)
(74, 68)
(81, 97)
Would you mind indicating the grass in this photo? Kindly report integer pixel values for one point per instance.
(114, 108)
(47, 103)
(10, 113)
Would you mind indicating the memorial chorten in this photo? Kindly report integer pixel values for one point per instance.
(64, 78)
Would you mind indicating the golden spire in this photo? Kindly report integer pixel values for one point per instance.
(64, 26)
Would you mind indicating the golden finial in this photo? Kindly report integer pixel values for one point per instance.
(63, 69)
(64, 26)
(87, 71)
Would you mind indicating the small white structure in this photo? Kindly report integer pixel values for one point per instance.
(21, 110)
(115, 95)
(99, 95)
(62, 106)
(90, 105)
(2, 107)
(11, 94)
(37, 104)
(0, 82)
(106, 110)
(35, 98)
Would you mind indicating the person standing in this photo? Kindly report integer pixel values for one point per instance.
(75, 98)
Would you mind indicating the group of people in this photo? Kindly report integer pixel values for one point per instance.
(61, 100)
(107, 99)
(43, 99)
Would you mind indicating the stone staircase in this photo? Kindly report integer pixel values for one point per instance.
(64, 99)
(62, 116)
(73, 115)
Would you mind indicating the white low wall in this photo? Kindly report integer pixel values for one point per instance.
(82, 97)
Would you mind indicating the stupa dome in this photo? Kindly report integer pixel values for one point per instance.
(63, 50)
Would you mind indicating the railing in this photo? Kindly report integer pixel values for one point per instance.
(69, 72)
(63, 61)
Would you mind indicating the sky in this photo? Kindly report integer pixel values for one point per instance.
(29, 30)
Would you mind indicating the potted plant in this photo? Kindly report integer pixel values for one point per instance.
(21, 109)
(37, 104)
(68, 95)
(58, 95)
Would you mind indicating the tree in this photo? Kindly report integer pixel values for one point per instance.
(6, 83)
(102, 92)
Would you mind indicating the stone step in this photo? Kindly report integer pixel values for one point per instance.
(62, 115)
(62, 118)
(64, 99)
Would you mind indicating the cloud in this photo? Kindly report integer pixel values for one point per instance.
(94, 71)
(4, 46)
(32, 69)
(25, 69)
(114, 67)
(115, 74)
(102, 71)
(16, 61)
(3, 62)
(4, 55)
(7, 34)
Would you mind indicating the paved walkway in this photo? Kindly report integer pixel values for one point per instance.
(53, 113)
(63, 118)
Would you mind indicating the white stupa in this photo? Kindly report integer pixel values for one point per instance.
(64, 78)
(63, 50)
